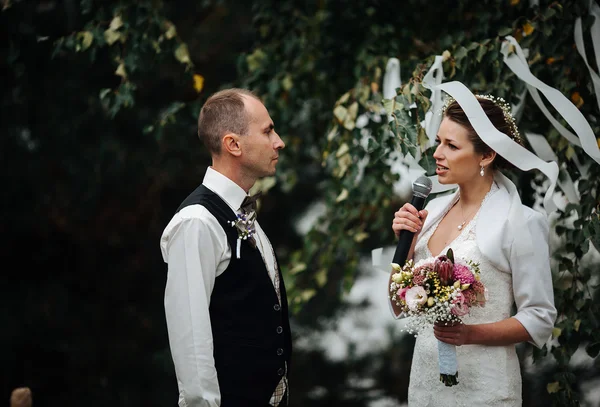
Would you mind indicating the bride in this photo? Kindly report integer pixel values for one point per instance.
(476, 223)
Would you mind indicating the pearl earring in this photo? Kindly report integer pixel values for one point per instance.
(482, 172)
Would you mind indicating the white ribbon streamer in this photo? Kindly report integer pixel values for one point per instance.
(237, 248)
(431, 79)
(391, 78)
(512, 152)
(595, 33)
(503, 145)
(517, 110)
(540, 146)
(585, 135)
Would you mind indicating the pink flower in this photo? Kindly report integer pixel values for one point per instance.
(418, 279)
(470, 297)
(460, 306)
(478, 287)
(415, 297)
(463, 274)
(443, 268)
(402, 293)
(423, 269)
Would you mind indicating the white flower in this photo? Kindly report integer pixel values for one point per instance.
(415, 297)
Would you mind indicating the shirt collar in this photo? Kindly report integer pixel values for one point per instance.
(227, 190)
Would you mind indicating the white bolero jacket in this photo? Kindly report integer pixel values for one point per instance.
(501, 239)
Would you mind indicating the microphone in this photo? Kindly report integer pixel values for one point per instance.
(421, 189)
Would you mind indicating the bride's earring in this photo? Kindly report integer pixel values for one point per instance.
(482, 172)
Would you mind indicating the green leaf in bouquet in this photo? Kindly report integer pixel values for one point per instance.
(450, 255)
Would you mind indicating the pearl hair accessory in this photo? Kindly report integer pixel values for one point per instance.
(501, 103)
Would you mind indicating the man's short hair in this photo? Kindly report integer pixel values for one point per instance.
(223, 112)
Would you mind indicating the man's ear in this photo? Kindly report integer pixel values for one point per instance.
(487, 158)
(231, 144)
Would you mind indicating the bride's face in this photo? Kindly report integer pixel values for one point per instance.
(455, 157)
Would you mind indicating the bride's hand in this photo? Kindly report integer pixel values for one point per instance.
(408, 218)
(456, 334)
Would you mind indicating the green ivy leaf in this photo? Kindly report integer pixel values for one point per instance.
(85, 40)
(505, 31)
(428, 163)
(481, 51)
(553, 387)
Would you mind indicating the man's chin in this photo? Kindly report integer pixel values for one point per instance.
(268, 173)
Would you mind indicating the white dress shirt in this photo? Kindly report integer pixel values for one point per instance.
(194, 245)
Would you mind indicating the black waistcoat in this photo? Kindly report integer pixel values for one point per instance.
(251, 330)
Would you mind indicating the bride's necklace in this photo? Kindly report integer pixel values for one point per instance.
(462, 225)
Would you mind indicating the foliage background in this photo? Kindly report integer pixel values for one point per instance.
(99, 104)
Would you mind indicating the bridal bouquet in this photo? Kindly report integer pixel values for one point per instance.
(438, 289)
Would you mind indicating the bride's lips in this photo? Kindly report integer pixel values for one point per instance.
(440, 169)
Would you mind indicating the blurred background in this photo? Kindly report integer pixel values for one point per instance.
(98, 147)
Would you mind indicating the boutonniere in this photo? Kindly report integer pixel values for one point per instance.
(244, 223)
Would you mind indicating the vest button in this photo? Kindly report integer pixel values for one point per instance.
(279, 352)
(280, 372)
(279, 329)
(276, 307)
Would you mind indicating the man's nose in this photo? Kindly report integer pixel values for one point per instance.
(279, 144)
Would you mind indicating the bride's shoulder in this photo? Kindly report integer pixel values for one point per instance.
(535, 220)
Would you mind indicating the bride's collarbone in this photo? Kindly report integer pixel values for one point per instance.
(445, 233)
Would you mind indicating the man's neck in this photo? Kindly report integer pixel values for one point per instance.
(234, 174)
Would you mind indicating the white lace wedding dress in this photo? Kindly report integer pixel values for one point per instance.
(487, 375)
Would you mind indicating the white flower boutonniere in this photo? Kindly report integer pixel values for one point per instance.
(244, 223)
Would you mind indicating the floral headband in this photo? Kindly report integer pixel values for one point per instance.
(501, 103)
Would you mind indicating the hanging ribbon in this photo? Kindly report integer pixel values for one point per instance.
(510, 150)
(503, 145)
(585, 138)
(433, 117)
(540, 146)
(517, 110)
(391, 78)
(595, 34)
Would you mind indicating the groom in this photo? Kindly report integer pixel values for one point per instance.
(225, 301)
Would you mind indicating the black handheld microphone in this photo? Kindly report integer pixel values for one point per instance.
(421, 189)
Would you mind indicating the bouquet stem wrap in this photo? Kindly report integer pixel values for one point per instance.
(448, 363)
